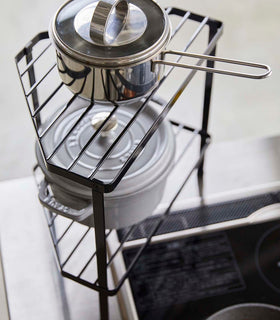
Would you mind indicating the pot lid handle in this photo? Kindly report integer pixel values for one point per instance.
(100, 118)
(107, 21)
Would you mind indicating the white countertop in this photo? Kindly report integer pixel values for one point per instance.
(4, 308)
(34, 285)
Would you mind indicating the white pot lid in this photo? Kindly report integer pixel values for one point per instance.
(156, 157)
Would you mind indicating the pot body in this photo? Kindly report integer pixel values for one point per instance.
(120, 212)
(102, 84)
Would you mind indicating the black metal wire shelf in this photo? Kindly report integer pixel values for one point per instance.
(35, 109)
(26, 62)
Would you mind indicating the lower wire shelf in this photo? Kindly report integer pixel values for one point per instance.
(74, 243)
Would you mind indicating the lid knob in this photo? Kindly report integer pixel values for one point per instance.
(107, 21)
(98, 119)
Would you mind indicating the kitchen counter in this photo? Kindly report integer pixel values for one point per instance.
(34, 286)
(4, 309)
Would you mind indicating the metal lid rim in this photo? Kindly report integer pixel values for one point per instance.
(110, 63)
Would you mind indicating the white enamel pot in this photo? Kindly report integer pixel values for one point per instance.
(140, 190)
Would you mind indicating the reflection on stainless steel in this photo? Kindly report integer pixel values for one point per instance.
(107, 21)
(135, 26)
(108, 84)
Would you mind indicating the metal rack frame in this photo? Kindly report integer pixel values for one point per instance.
(100, 187)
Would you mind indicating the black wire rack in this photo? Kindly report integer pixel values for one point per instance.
(26, 62)
(51, 217)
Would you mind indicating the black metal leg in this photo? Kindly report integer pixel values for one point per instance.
(207, 101)
(101, 256)
(32, 80)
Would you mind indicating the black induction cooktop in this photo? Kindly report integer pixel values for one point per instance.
(194, 277)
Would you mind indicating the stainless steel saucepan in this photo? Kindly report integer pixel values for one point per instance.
(115, 50)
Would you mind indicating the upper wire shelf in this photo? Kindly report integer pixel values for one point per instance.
(26, 62)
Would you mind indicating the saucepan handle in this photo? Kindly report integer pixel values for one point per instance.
(213, 70)
(49, 202)
(107, 21)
